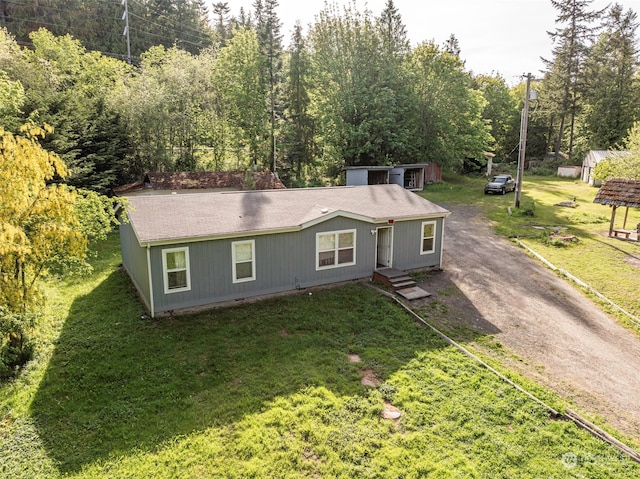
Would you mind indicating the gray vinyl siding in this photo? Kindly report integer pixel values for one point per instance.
(134, 259)
(284, 262)
(407, 244)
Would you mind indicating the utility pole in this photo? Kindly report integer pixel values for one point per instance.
(523, 143)
(275, 156)
(125, 17)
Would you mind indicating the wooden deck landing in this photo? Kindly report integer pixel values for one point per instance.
(413, 293)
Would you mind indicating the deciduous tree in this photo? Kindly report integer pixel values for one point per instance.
(622, 165)
(359, 89)
(501, 111)
(239, 77)
(40, 233)
(452, 127)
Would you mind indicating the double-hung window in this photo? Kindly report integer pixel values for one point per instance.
(175, 268)
(335, 249)
(244, 263)
(428, 243)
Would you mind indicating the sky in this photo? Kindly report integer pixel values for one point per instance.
(495, 36)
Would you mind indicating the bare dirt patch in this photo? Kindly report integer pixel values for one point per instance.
(633, 261)
(354, 358)
(389, 411)
(370, 379)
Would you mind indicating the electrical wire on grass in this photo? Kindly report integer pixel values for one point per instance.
(569, 415)
(634, 319)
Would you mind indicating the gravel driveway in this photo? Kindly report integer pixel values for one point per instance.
(556, 335)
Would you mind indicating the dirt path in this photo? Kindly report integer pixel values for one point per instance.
(558, 336)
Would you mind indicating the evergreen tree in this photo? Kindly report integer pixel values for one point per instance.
(268, 27)
(393, 32)
(221, 11)
(400, 101)
(452, 46)
(66, 87)
(613, 94)
(299, 124)
(576, 29)
(98, 24)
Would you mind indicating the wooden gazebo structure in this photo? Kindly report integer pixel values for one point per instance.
(617, 192)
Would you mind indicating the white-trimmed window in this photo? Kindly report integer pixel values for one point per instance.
(244, 263)
(175, 268)
(335, 249)
(428, 243)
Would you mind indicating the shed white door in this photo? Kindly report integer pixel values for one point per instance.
(384, 247)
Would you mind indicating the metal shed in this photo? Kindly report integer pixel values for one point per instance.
(412, 176)
(592, 159)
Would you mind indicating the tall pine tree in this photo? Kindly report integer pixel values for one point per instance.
(613, 93)
(298, 121)
(268, 27)
(576, 27)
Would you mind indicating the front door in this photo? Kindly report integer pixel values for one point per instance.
(384, 247)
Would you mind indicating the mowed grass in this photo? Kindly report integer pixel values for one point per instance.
(266, 390)
(610, 265)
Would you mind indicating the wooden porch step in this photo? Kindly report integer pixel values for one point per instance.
(390, 272)
(393, 278)
(404, 284)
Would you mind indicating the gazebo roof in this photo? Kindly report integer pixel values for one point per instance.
(619, 192)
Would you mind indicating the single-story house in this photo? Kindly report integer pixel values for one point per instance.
(187, 251)
(413, 177)
(159, 183)
(591, 161)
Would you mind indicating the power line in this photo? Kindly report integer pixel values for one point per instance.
(182, 33)
(159, 15)
(195, 37)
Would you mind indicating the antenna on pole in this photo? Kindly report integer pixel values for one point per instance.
(125, 17)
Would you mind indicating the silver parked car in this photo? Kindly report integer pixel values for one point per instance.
(500, 184)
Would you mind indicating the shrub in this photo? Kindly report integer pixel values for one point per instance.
(527, 208)
(16, 345)
(388, 391)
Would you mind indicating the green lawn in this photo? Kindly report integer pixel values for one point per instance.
(609, 265)
(266, 390)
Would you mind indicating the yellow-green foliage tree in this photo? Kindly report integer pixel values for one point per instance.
(40, 233)
(623, 165)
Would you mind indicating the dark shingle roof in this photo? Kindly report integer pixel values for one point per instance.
(619, 192)
(175, 218)
(193, 180)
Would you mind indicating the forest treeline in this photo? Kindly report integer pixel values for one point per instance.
(212, 91)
